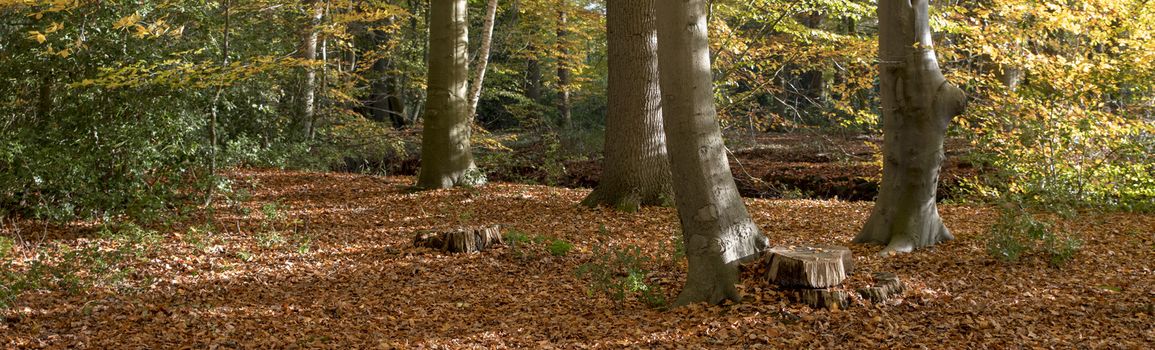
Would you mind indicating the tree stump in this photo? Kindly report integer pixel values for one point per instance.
(886, 286)
(819, 266)
(824, 298)
(461, 240)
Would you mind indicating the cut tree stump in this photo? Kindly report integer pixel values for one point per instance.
(817, 266)
(461, 240)
(886, 286)
(824, 298)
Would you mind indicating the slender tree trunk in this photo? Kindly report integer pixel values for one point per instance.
(533, 79)
(446, 159)
(563, 71)
(308, 52)
(482, 57)
(636, 170)
(717, 229)
(44, 97)
(386, 101)
(917, 106)
(215, 109)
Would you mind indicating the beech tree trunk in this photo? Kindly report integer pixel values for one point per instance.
(718, 231)
(918, 104)
(446, 158)
(636, 169)
(563, 71)
(306, 100)
(482, 57)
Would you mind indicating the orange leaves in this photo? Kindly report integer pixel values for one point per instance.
(363, 285)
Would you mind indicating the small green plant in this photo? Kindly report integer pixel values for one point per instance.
(1005, 246)
(1018, 232)
(270, 239)
(560, 247)
(553, 163)
(199, 237)
(245, 256)
(464, 217)
(515, 237)
(619, 273)
(517, 242)
(304, 243)
(73, 269)
(6, 245)
(1062, 250)
(271, 211)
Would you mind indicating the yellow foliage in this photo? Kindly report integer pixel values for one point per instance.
(127, 21)
(37, 36)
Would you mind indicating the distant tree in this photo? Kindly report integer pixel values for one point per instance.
(636, 169)
(918, 104)
(482, 63)
(717, 229)
(386, 98)
(446, 158)
(307, 90)
(564, 78)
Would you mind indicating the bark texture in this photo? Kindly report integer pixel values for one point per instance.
(482, 57)
(306, 100)
(886, 286)
(716, 227)
(461, 240)
(446, 158)
(636, 168)
(918, 104)
(819, 266)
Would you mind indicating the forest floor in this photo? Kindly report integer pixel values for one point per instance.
(304, 260)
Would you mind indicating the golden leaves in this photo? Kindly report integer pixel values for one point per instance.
(127, 21)
(37, 36)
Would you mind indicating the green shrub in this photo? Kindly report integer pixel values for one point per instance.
(515, 237)
(6, 245)
(1018, 232)
(74, 269)
(270, 239)
(619, 273)
(559, 247)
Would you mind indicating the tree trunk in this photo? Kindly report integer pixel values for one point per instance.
(563, 71)
(636, 170)
(308, 52)
(44, 98)
(533, 79)
(718, 231)
(446, 159)
(387, 102)
(482, 57)
(917, 106)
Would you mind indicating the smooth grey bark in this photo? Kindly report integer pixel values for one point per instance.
(716, 227)
(563, 70)
(636, 169)
(306, 100)
(446, 158)
(918, 104)
(482, 57)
